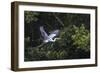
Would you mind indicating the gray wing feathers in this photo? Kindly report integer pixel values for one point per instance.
(43, 33)
(54, 33)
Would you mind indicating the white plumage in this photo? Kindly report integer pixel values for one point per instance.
(48, 38)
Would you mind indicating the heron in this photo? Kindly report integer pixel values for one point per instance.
(50, 37)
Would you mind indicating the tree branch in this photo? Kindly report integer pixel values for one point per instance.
(58, 19)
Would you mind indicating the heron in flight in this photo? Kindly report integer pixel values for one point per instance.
(48, 38)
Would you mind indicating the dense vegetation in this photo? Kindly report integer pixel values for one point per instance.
(74, 34)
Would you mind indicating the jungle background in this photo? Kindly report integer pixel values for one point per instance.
(74, 33)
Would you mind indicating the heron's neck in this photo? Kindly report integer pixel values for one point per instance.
(54, 39)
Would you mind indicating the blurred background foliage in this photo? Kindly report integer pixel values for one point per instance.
(74, 34)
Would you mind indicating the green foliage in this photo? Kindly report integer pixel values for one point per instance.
(31, 16)
(56, 54)
(81, 38)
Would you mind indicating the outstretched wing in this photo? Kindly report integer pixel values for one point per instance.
(54, 33)
(43, 33)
